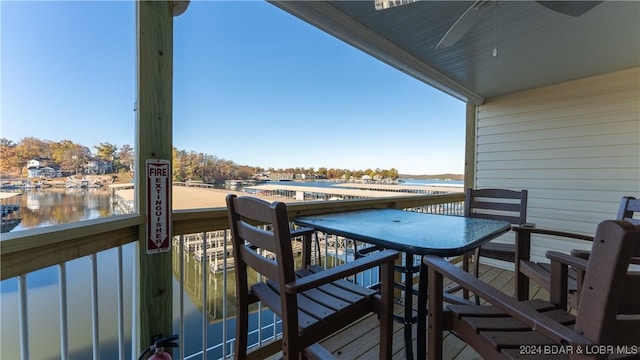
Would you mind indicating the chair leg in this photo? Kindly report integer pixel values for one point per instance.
(386, 273)
(476, 262)
(466, 258)
(476, 272)
(356, 255)
(421, 339)
(435, 315)
(242, 331)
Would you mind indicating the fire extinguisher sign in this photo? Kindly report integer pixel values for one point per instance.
(158, 210)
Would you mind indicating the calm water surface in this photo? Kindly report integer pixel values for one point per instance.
(51, 206)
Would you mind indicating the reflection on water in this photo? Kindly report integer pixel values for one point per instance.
(45, 207)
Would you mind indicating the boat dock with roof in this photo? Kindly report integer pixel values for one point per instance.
(346, 191)
(8, 210)
(413, 189)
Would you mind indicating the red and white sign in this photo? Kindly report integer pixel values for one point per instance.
(158, 211)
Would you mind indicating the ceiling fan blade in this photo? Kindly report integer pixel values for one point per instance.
(463, 24)
(571, 8)
(179, 6)
(386, 4)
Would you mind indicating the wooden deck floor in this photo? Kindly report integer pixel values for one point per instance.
(360, 341)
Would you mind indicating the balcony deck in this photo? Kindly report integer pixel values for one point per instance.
(360, 341)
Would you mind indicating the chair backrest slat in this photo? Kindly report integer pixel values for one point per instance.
(254, 210)
(256, 236)
(259, 263)
(499, 206)
(510, 219)
(629, 206)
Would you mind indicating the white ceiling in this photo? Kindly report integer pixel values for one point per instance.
(536, 46)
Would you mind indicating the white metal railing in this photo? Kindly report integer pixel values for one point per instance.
(217, 336)
(24, 320)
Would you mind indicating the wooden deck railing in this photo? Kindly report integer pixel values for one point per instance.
(27, 251)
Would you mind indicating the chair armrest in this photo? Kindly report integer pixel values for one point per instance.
(573, 261)
(369, 249)
(583, 254)
(524, 268)
(509, 305)
(542, 231)
(308, 282)
(297, 233)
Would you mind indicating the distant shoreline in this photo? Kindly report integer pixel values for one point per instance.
(432, 177)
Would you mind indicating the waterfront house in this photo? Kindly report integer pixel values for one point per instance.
(306, 177)
(553, 104)
(38, 162)
(43, 168)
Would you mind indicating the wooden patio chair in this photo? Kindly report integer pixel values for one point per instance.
(312, 303)
(509, 329)
(495, 204)
(539, 272)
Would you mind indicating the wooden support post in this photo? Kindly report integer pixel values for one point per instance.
(153, 141)
(470, 148)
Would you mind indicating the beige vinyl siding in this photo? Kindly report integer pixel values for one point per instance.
(575, 146)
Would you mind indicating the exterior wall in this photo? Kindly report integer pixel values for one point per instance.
(575, 146)
(98, 167)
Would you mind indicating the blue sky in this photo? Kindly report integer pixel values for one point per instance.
(252, 84)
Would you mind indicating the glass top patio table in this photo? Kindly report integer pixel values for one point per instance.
(408, 231)
(413, 233)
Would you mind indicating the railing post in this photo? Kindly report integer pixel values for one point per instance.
(95, 318)
(23, 318)
(153, 141)
(470, 147)
(64, 327)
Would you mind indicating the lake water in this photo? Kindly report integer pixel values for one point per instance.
(56, 206)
